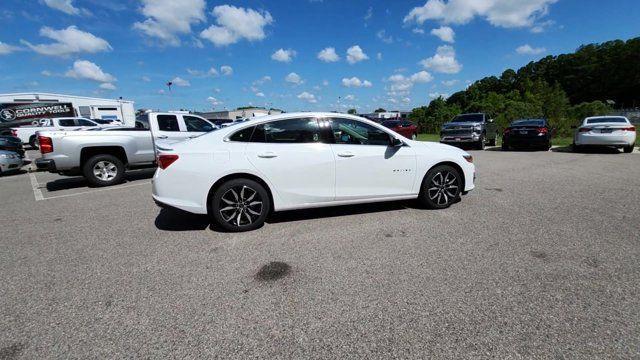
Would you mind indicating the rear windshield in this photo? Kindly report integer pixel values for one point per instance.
(469, 118)
(528, 123)
(608, 120)
(390, 124)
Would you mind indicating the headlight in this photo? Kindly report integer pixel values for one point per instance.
(7, 156)
(477, 128)
(469, 158)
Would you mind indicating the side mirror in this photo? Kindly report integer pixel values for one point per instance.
(395, 142)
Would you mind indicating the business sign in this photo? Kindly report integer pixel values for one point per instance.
(16, 113)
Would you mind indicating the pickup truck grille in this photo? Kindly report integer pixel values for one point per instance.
(453, 132)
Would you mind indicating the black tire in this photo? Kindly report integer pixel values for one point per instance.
(441, 187)
(492, 142)
(628, 149)
(33, 142)
(505, 146)
(236, 209)
(576, 148)
(103, 170)
(480, 144)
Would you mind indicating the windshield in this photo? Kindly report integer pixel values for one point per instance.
(390, 124)
(469, 118)
(608, 120)
(528, 123)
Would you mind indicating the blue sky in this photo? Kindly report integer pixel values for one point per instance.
(390, 54)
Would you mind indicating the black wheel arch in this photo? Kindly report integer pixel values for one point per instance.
(234, 176)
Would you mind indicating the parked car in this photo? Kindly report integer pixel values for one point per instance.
(9, 162)
(239, 174)
(470, 129)
(529, 133)
(103, 155)
(614, 131)
(11, 143)
(403, 127)
(28, 133)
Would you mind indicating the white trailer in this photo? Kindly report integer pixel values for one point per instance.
(91, 108)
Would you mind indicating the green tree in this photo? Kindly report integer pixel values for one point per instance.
(352, 111)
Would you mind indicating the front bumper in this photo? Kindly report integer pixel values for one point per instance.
(8, 165)
(459, 138)
(46, 165)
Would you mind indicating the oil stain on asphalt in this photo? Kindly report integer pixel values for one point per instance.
(539, 254)
(273, 271)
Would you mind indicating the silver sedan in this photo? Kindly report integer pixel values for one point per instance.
(9, 162)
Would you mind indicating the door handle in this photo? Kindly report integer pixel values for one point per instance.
(347, 154)
(267, 155)
(162, 137)
(193, 136)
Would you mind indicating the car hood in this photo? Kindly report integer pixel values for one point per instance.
(460, 124)
(429, 147)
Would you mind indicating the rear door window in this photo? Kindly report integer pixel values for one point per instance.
(83, 122)
(67, 122)
(353, 132)
(196, 124)
(290, 131)
(168, 123)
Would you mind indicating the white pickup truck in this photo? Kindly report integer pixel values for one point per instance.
(103, 155)
(28, 133)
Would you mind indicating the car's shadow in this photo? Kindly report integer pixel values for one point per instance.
(587, 150)
(516, 150)
(13, 173)
(171, 219)
(79, 182)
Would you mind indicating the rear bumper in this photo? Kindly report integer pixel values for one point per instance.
(526, 141)
(46, 165)
(626, 139)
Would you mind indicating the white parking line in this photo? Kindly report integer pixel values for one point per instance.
(94, 191)
(36, 188)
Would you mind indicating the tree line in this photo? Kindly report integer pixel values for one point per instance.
(594, 80)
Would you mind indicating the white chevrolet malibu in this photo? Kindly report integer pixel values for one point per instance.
(605, 131)
(241, 173)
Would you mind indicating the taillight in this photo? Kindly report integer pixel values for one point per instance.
(46, 145)
(506, 131)
(630, 128)
(543, 130)
(584, 129)
(14, 132)
(164, 160)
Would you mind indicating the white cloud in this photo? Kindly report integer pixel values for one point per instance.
(435, 95)
(401, 84)
(226, 70)
(328, 54)
(7, 49)
(325, 83)
(355, 54)
(213, 101)
(308, 97)
(503, 13)
(379, 56)
(235, 24)
(356, 83)
(46, 73)
(262, 80)
(369, 14)
(417, 31)
(260, 94)
(107, 86)
(145, 79)
(449, 82)
(382, 35)
(178, 81)
(83, 69)
(444, 61)
(66, 6)
(350, 97)
(167, 19)
(69, 41)
(294, 78)
(283, 55)
(406, 100)
(211, 72)
(529, 50)
(445, 34)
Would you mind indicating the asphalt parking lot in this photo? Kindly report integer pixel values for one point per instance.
(540, 261)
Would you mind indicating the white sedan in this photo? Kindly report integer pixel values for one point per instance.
(239, 174)
(605, 131)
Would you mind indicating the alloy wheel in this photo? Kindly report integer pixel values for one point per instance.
(241, 205)
(105, 170)
(444, 187)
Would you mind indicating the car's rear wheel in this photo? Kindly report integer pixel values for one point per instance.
(103, 170)
(628, 149)
(441, 187)
(33, 142)
(480, 143)
(505, 146)
(576, 148)
(240, 205)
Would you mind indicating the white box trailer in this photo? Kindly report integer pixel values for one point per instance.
(23, 108)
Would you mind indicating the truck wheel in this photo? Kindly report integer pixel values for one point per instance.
(103, 170)
(505, 146)
(441, 187)
(240, 205)
(628, 149)
(492, 142)
(480, 144)
(33, 142)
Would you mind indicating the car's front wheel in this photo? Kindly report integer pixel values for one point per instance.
(103, 170)
(441, 187)
(240, 205)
